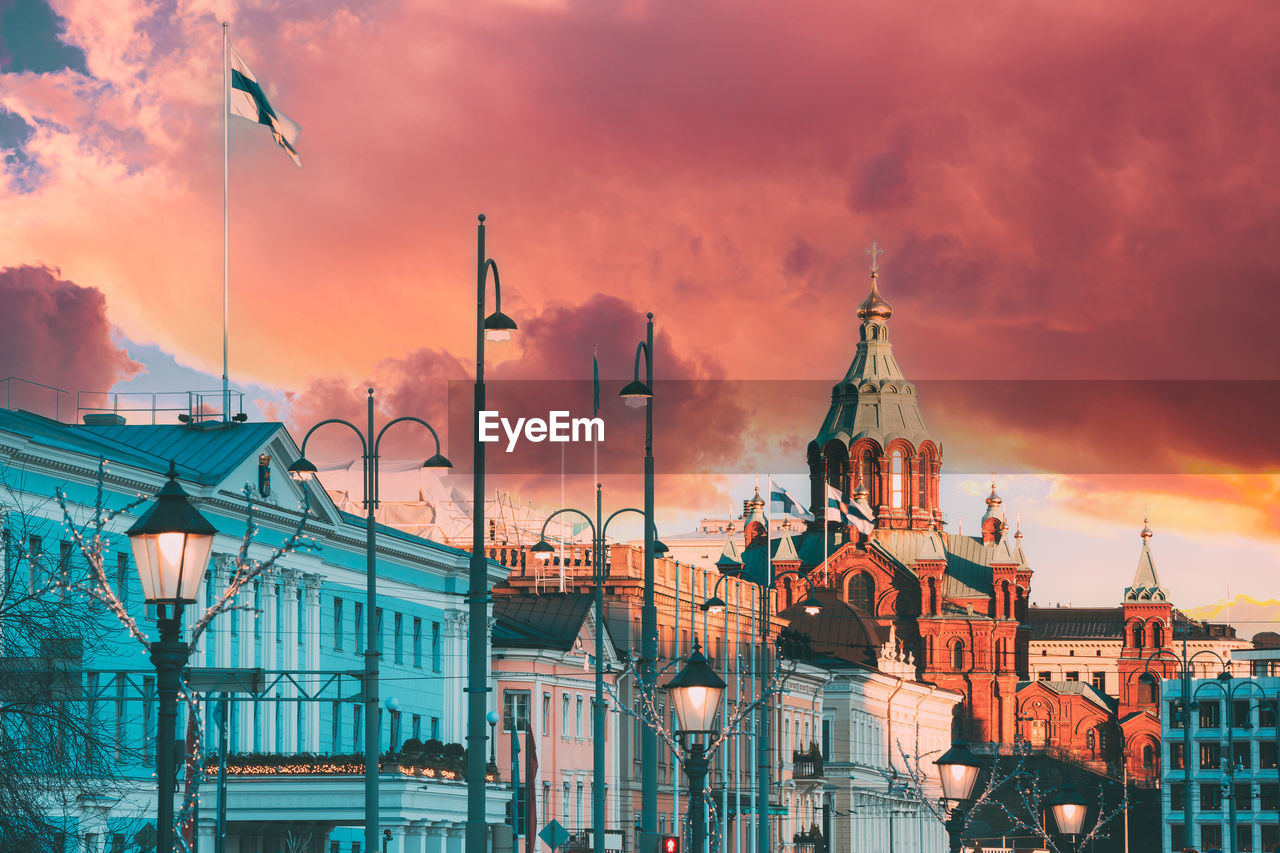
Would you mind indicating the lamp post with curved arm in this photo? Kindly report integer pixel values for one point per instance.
(543, 550)
(637, 393)
(369, 444)
(1185, 664)
(495, 327)
(714, 604)
(1223, 684)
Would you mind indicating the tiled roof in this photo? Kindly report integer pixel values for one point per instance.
(1077, 688)
(1075, 623)
(968, 560)
(549, 621)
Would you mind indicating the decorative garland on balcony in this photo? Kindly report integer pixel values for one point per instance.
(415, 759)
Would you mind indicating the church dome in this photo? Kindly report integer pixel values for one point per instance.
(874, 307)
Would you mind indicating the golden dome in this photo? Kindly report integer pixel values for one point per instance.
(874, 307)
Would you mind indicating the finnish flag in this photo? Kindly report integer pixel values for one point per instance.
(840, 508)
(781, 502)
(247, 100)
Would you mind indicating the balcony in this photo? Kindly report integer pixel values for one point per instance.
(806, 765)
(810, 841)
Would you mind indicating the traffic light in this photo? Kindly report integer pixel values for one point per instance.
(670, 844)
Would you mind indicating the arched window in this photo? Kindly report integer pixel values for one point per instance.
(1091, 742)
(957, 654)
(1137, 635)
(922, 481)
(1148, 756)
(895, 479)
(999, 654)
(837, 467)
(862, 593)
(869, 475)
(1148, 686)
(1157, 634)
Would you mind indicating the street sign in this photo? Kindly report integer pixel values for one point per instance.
(554, 835)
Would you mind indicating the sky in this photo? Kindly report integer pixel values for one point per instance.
(1078, 203)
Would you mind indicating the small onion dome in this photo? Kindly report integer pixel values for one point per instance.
(861, 493)
(757, 501)
(874, 307)
(1146, 530)
(993, 499)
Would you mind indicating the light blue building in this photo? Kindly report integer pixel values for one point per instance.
(1220, 759)
(303, 630)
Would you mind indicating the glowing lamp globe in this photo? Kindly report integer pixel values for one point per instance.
(714, 605)
(498, 327)
(636, 394)
(171, 545)
(542, 550)
(958, 771)
(812, 606)
(302, 469)
(695, 693)
(1068, 809)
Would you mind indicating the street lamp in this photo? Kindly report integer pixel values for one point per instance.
(495, 327)
(958, 771)
(636, 393)
(492, 719)
(303, 468)
(171, 544)
(1069, 810)
(695, 693)
(543, 550)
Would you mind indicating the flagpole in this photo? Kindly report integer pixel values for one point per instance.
(226, 241)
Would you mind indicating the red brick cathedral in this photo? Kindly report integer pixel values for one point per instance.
(959, 602)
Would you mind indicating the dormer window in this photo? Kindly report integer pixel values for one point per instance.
(895, 479)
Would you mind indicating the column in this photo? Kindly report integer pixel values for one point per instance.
(249, 631)
(313, 584)
(267, 710)
(454, 837)
(223, 566)
(289, 655)
(453, 725)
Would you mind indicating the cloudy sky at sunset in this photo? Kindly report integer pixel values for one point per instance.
(1085, 192)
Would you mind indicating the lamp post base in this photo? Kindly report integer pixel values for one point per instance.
(169, 654)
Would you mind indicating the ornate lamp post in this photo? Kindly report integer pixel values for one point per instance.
(958, 771)
(543, 550)
(171, 545)
(1069, 810)
(638, 393)
(695, 693)
(302, 468)
(495, 327)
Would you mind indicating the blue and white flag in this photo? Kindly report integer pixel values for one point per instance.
(840, 508)
(595, 378)
(780, 501)
(247, 100)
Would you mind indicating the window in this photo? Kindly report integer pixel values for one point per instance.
(1176, 796)
(826, 740)
(862, 593)
(1209, 716)
(1269, 797)
(1210, 797)
(435, 728)
(435, 646)
(1148, 689)
(357, 727)
(895, 478)
(1177, 756)
(359, 628)
(122, 577)
(1211, 835)
(1267, 755)
(957, 654)
(397, 641)
(1244, 838)
(1270, 835)
(1240, 714)
(564, 715)
(1175, 714)
(1241, 753)
(1210, 756)
(564, 805)
(546, 713)
(1267, 715)
(1043, 675)
(922, 480)
(337, 624)
(335, 730)
(1243, 792)
(1137, 635)
(1073, 676)
(35, 550)
(577, 717)
(395, 731)
(1177, 835)
(578, 806)
(868, 478)
(515, 710)
(1099, 681)
(417, 643)
(377, 630)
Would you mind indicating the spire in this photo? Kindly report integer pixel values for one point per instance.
(1146, 583)
(994, 503)
(731, 557)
